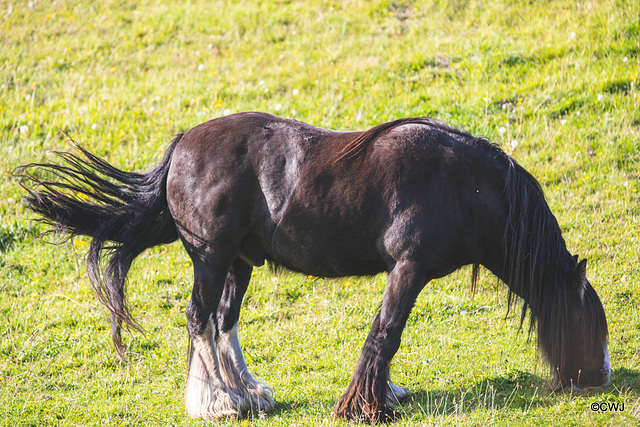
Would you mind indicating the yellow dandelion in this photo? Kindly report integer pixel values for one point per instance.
(169, 97)
(219, 103)
(390, 14)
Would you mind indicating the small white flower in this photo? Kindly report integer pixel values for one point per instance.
(626, 184)
(201, 67)
(28, 97)
(278, 107)
(600, 97)
(24, 129)
(514, 144)
(94, 126)
(624, 59)
(210, 46)
(577, 113)
(197, 53)
(281, 57)
(226, 112)
(10, 200)
(502, 130)
(261, 82)
(301, 63)
(572, 35)
(295, 92)
(293, 112)
(563, 121)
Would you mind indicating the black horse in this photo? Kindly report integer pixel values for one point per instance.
(412, 197)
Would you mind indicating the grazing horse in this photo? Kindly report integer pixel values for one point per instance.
(413, 197)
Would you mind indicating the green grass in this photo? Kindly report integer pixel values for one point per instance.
(561, 78)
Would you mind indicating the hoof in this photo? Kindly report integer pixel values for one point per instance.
(257, 397)
(215, 405)
(396, 394)
(383, 415)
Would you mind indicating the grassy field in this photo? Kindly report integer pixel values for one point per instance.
(555, 83)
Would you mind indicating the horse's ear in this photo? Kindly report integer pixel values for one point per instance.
(580, 275)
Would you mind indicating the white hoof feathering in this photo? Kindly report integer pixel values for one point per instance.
(206, 394)
(396, 394)
(255, 395)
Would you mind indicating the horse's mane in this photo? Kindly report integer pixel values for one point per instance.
(538, 266)
(541, 270)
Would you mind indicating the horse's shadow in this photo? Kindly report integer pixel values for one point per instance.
(515, 390)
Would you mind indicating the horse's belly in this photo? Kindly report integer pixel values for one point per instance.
(327, 250)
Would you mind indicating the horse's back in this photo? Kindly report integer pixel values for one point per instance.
(286, 191)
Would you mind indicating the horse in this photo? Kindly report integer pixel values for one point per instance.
(414, 198)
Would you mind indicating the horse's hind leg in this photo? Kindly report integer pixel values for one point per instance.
(207, 396)
(371, 394)
(233, 368)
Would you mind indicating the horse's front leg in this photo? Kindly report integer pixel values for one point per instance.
(255, 395)
(371, 394)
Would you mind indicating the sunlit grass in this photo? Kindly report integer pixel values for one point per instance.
(555, 84)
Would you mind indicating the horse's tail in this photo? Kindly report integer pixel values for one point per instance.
(123, 212)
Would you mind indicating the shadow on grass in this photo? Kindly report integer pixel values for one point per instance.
(515, 390)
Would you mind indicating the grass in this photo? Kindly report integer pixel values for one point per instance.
(554, 83)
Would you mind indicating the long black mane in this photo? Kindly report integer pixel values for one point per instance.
(540, 269)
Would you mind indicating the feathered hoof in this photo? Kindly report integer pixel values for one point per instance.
(215, 405)
(385, 415)
(359, 411)
(257, 397)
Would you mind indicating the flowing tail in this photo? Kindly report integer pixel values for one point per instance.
(123, 212)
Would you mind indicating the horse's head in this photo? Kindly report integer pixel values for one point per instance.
(576, 342)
